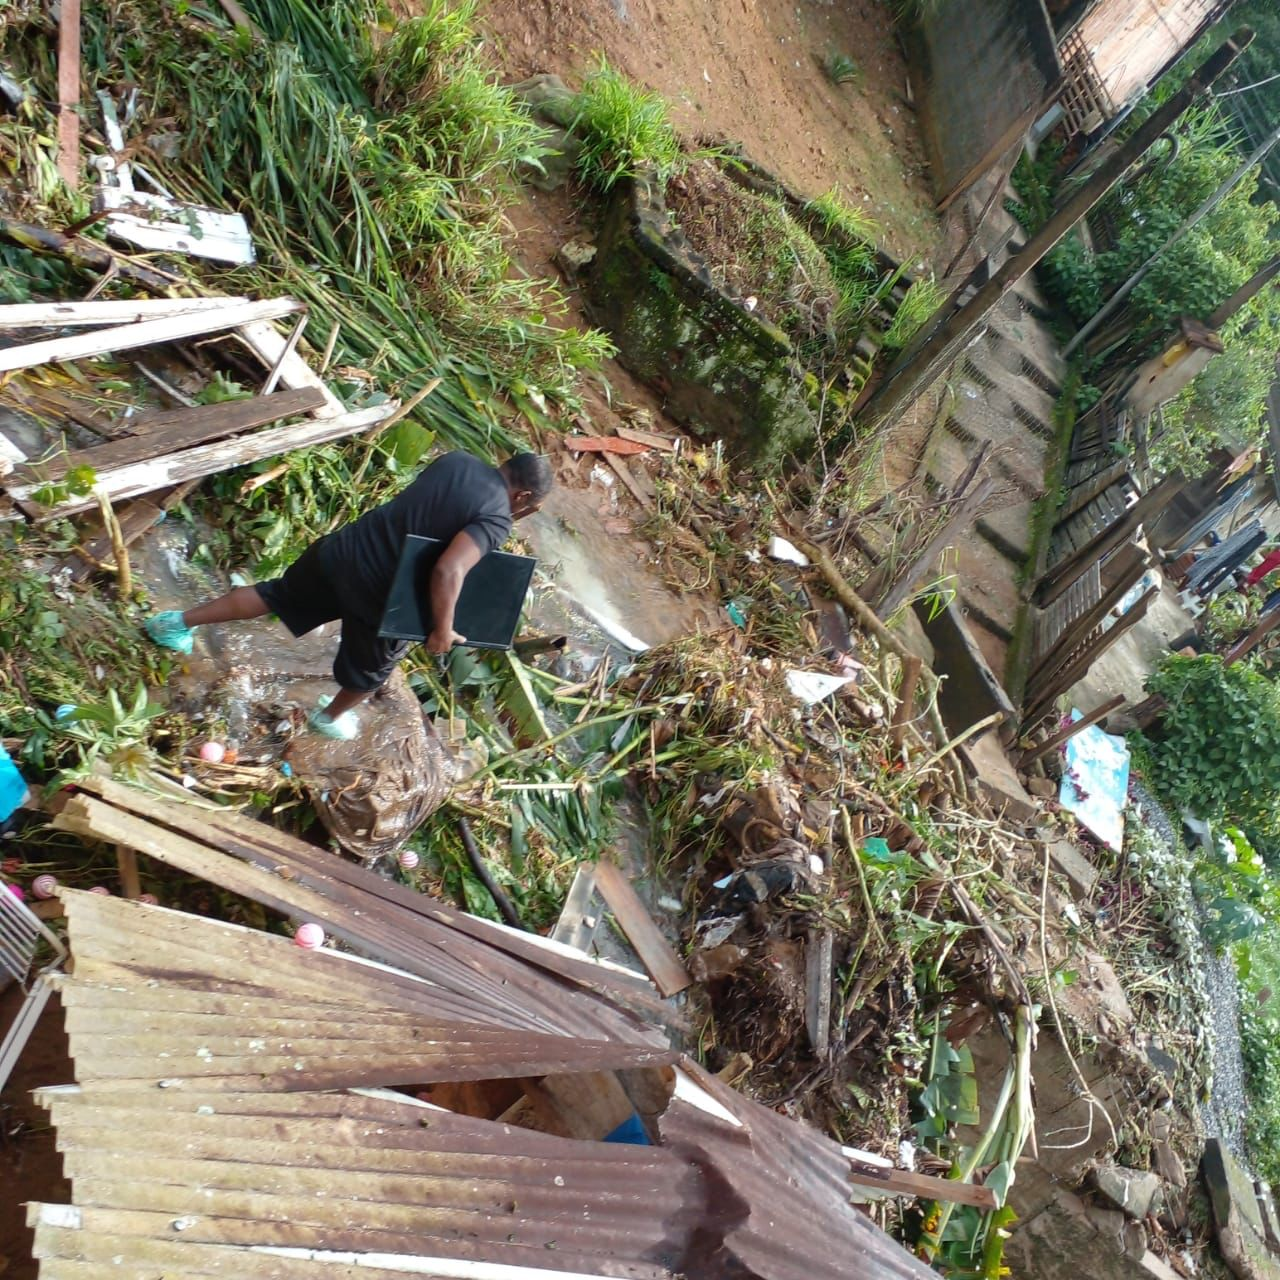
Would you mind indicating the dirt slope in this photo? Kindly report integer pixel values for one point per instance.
(750, 71)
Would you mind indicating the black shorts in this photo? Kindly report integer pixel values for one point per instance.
(304, 598)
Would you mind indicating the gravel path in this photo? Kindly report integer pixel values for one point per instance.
(1223, 1113)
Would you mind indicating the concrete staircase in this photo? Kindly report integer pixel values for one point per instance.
(1004, 390)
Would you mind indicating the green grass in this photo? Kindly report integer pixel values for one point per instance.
(841, 69)
(624, 130)
(375, 169)
(919, 303)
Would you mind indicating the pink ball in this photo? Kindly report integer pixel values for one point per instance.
(16, 890)
(408, 859)
(149, 898)
(101, 889)
(309, 936)
(212, 752)
(44, 886)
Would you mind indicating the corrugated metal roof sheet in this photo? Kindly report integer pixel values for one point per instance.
(187, 1159)
(504, 976)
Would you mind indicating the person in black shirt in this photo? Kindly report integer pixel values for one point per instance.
(463, 502)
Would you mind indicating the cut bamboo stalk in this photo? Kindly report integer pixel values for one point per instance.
(124, 574)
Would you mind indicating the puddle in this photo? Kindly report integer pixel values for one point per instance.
(606, 575)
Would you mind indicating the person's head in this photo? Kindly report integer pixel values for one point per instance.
(529, 480)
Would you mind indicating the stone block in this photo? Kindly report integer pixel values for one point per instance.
(1241, 1234)
(1066, 1240)
(1132, 1191)
(1079, 873)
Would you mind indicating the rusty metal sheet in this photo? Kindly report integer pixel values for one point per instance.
(347, 1020)
(522, 981)
(191, 1152)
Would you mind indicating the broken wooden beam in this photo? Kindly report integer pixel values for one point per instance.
(192, 464)
(57, 315)
(68, 161)
(1091, 652)
(127, 337)
(656, 953)
(135, 519)
(87, 255)
(921, 1186)
(1069, 731)
(819, 961)
(172, 431)
(273, 349)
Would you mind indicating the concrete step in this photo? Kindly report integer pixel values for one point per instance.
(1008, 529)
(1007, 525)
(988, 414)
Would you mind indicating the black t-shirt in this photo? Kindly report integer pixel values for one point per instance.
(455, 493)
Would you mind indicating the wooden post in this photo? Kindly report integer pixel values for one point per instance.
(127, 861)
(1090, 654)
(1057, 579)
(69, 94)
(1069, 731)
(909, 378)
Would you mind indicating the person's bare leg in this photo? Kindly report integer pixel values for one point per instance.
(236, 606)
(344, 700)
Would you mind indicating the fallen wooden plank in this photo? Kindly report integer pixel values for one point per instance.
(271, 347)
(191, 464)
(127, 337)
(69, 93)
(52, 315)
(169, 432)
(1068, 731)
(818, 970)
(921, 1185)
(135, 518)
(655, 952)
(603, 444)
(155, 222)
(87, 255)
(643, 493)
(663, 443)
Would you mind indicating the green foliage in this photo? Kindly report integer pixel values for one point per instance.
(1035, 179)
(919, 303)
(91, 732)
(1216, 751)
(377, 170)
(1226, 406)
(1139, 216)
(72, 648)
(623, 130)
(841, 69)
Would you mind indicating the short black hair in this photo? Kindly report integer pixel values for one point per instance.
(529, 472)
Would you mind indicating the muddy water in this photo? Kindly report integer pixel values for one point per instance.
(606, 577)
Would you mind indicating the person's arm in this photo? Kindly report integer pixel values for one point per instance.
(459, 558)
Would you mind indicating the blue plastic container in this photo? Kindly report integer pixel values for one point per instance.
(13, 787)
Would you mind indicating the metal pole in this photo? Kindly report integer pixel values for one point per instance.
(1113, 302)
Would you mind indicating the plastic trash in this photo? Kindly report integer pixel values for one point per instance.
(13, 787)
(813, 686)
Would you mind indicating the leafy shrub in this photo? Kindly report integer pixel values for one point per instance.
(1260, 1043)
(623, 130)
(1217, 749)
